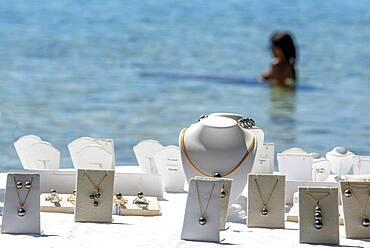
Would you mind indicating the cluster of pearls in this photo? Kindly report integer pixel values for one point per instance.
(318, 217)
(94, 197)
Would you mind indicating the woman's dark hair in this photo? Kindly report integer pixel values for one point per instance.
(284, 41)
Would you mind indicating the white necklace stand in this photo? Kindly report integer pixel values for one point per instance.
(216, 145)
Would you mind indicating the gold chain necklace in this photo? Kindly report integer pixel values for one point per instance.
(196, 167)
(202, 219)
(96, 195)
(264, 210)
(318, 216)
(18, 185)
(348, 192)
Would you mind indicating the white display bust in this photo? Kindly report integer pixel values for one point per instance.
(216, 145)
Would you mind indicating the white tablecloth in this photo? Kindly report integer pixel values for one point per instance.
(60, 230)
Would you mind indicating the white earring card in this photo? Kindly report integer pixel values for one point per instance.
(355, 199)
(266, 200)
(318, 215)
(94, 195)
(265, 158)
(202, 213)
(21, 213)
(169, 166)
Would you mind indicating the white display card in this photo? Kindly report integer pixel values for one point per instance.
(264, 161)
(85, 210)
(94, 157)
(361, 165)
(226, 184)
(144, 153)
(78, 144)
(355, 208)
(192, 229)
(169, 166)
(21, 144)
(272, 189)
(42, 155)
(295, 166)
(328, 203)
(12, 222)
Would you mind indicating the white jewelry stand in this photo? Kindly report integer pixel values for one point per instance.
(144, 153)
(341, 160)
(265, 158)
(94, 157)
(191, 229)
(42, 155)
(276, 205)
(30, 222)
(85, 211)
(21, 144)
(169, 166)
(259, 134)
(217, 145)
(296, 164)
(78, 144)
(329, 233)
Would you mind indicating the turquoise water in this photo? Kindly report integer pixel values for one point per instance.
(132, 70)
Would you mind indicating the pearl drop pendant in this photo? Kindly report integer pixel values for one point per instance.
(202, 221)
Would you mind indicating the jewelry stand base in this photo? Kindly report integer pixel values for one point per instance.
(64, 206)
(131, 209)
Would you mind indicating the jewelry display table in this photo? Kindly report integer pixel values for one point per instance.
(60, 230)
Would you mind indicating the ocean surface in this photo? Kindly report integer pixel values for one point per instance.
(134, 70)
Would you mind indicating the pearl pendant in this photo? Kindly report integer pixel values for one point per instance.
(202, 221)
(97, 195)
(223, 193)
(264, 211)
(21, 212)
(96, 203)
(318, 224)
(317, 209)
(217, 175)
(365, 222)
(92, 196)
(347, 192)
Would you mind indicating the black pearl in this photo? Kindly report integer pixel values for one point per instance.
(140, 194)
(19, 185)
(97, 195)
(96, 203)
(202, 221)
(318, 224)
(21, 212)
(347, 193)
(27, 185)
(318, 216)
(317, 209)
(217, 175)
(119, 196)
(264, 211)
(74, 191)
(53, 191)
(92, 196)
(223, 193)
(365, 222)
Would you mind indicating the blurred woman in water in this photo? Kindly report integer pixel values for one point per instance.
(282, 71)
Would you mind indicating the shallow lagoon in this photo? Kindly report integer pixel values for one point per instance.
(132, 71)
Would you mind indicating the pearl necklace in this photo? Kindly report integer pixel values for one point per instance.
(202, 219)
